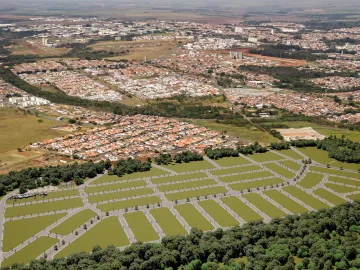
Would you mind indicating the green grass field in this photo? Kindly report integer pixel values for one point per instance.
(245, 176)
(329, 196)
(286, 202)
(236, 170)
(189, 167)
(305, 198)
(256, 184)
(129, 203)
(354, 197)
(141, 227)
(30, 252)
(177, 178)
(17, 231)
(43, 207)
(241, 209)
(178, 186)
(193, 217)
(219, 214)
(93, 189)
(231, 161)
(195, 193)
(168, 222)
(340, 189)
(263, 205)
(113, 178)
(262, 157)
(51, 195)
(280, 170)
(335, 172)
(311, 180)
(120, 195)
(290, 153)
(74, 222)
(107, 232)
(344, 181)
(291, 165)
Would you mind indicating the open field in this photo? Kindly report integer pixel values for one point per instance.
(50, 195)
(193, 217)
(129, 203)
(17, 231)
(120, 195)
(188, 167)
(268, 156)
(74, 222)
(176, 178)
(195, 193)
(329, 196)
(269, 209)
(285, 202)
(241, 209)
(219, 214)
(305, 198)
(236, 170)
(340, 180)
(24, 129)
(231, 161)
(290, 153)
(291, 164)
(94, 189)
(280, 170)
(354, 197)
(107, 232)
(113, 178)
(141, 227)
(311, 180)
(256, 184)
(193, 184)
(336, 172)
(245, 176)
(31, 251)
(340, 189)
(168, 222)
(42, 207)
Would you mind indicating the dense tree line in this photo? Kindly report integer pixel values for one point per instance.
(221, 152)
(183, 157)
(341, 149)
(320, 240)
(128, 166)
(280, 146)
(304, 143)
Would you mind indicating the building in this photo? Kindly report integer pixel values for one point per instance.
(239, 30)
(252, 40)
(236, 55)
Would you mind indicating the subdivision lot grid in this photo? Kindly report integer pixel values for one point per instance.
(263, 205)
(195, 193)
(340, 180)
(306, 197)
(280, 170)
(178, 178)
(268, 156)
(329, 196)
(246, 176)
(236, 170)
(257, 184)
(241, 209)
(141, 227)
(118, 186)
(169, 224)
(218, 213)
(231, 161)
(340, 188)
(311, 180)
(188, 167)
(187, 185)
(285, 201)
(193, 217)
(291, 165)
(50, 195)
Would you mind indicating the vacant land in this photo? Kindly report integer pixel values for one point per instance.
(268, 208)
(195, 193)
(305, 198)
(94, 189)
(336, 172)
(232, 161)
(186, 185)
(340, 189)
(141, 227)
(178, 178)
(168, 222)
(245, 176)
(268, 156)
(188, 167)
(329, 196)
(219, 214)
(285, 202)
(114, 178)
(256, 184)
(193, 217)
(236, 170)
(280, 170)
(291, 164)
(120, 195)
(311, 180)
(129, 203)
(291, 153)
(241, 209)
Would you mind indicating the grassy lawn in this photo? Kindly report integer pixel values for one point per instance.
(245, 176)
(141, 227)
(191, 166)
(335, 172)
(236, 170)
(178, 186)
(344, 181)
(43, 207)
(305, 198)
(219, 214)
(120, 195)
(74, 222)
(177, 178)
(280, 170)
(340, 189)
(17, 231)
(241, 209)
(195, 193)
(114, 178)
(231, 161)
(193, 217)
(266, 207)
(311, 179)
(31, 251)
(291, 164)
(51, 195)
(286, 202)
(107, 232)
(19, 129)
(168, 222)
(129, 203)
(329, 196)
(256, 184)
(94, 189)
(262, 157)
(290, 153)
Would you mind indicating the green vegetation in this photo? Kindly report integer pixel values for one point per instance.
(305, 198)
(241, 209)
(74, 222)
(94, 189)
(343, 150)
(192, 184)
(168, 222)
(291, 153)
(38, 208)
(108, 232)
(17, 231)
(141, 227)
(31, 251)
(177, 178)
(329, 196)
(344, 181)
(232, 161)
(219, 214)
(129, 203)
(280, 170)
(188, 167)
(311, 180)
(335, 172)
(193, 217)
(245, 176)
(285, 202)
(236, 170)
(50, 195)
(262, 157)
(291, 164)
(340, 189)
(129, 166)
(268, 208)
(120, 195)
(195, 193)
(256, 184)
(179, 158)
(355, 197)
